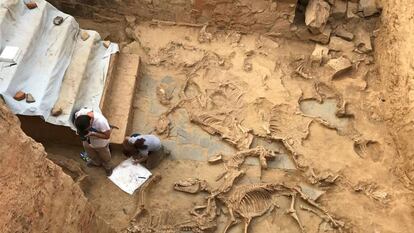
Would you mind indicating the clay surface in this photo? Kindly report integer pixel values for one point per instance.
(274, 124)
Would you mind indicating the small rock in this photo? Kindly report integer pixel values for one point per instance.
(319, 54)
(130, 33)
(344, 34)
(215, 158)
(316, 15)
(204, 36)
(379, 195)
(311, 192)
(58, 20)
(339, 66)
(247, 65)
(130, 20)
(363, 41)
(31, 5)
(30, 98)
(20, 95)
(273, 6)
(338, 44)
(322, 37)
(339, 9)
(106, 43)
(84, 35)
(368, 7)
(352, 10)
(56, 111)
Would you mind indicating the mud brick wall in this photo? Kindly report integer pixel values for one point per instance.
(244, 15)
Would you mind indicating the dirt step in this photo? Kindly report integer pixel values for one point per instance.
(118, 96)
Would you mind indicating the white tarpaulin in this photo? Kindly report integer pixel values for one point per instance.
(128, 176)
(46, 52)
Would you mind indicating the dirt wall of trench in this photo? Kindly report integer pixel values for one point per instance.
(394, 82)
(36, 195)
(258, 15)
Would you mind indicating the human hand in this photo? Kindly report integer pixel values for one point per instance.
(91, 134)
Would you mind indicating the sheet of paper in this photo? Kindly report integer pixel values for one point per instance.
(129, 177)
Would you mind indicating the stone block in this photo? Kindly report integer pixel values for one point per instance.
(316, 15)
(363, 40)
(339, 66)
(320, 53)
(368, 7)
(56, 111)
(339, 44)
(31, 5)
(84, 35)
(344, 34)
(339, 9)
(30, 98)
(20, 95)
(352, 10)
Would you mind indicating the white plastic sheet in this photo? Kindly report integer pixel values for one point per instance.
(128, 176)
(46, 53)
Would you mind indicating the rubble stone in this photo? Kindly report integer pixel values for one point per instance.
(363, 41)
(344, 34)
(338, 44)
(20, 95)
(30, 98)
(320, 53)
(316, 15)
(368, 7)
(31, 5)
(58, 20)
(106, 43)
(352, 10)
(56, 111)
(84, 35)
(339, 9)
(322, 37)
(339, 66)
(130, 19)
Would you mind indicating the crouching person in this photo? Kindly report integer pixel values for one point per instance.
(94, 130)
(144, 149)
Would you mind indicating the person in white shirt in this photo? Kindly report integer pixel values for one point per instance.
(144, 148)
(95, 132)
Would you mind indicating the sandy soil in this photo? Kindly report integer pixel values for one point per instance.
(244, 86)
(37, 196)
(348, 133)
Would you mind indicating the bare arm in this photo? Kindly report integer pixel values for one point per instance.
(102, 135)
(138, 158)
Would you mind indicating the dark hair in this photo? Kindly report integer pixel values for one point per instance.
(82, 123)
(139, 144)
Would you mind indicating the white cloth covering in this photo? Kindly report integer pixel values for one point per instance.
(45, 54)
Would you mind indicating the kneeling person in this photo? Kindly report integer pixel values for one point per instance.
(144, 148)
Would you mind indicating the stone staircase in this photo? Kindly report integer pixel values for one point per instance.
(84, 83)
(117, 99)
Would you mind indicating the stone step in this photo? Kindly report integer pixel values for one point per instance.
(118, 96)
(74, 76)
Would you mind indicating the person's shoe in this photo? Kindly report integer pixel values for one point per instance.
(108, 171)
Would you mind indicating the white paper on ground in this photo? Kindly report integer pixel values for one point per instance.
(128, 176)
